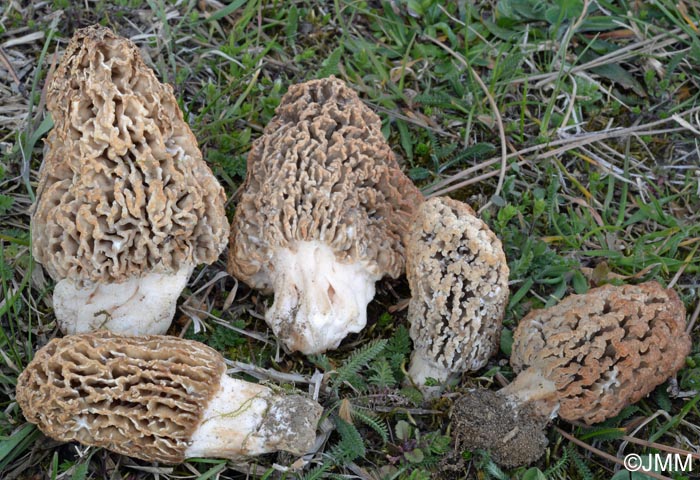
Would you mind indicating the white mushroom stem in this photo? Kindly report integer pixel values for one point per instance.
(142, 305)
(533, 387)
(245, 419)
(318, 300)
(422, 368)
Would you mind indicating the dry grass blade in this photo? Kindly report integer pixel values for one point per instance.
(267, 374)
(412, 120)
(563, 146)
(647, 46)
(659, 446)
(472, 181)
(693, 317)
(494, 108)
(8, 66)
(26, 39)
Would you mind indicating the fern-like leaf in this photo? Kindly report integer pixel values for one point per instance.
(330, 65)
(318, 472)
(559, 466)
(358, 360)
(494, 471)
(369, 418)
(321, 361)
(350, 446)
(626, 413)
(400, 342)
(444, 151)
(475, 152)
(383, 376)
(397, 350)
(358, 382)
(434, 100)
(580, 465)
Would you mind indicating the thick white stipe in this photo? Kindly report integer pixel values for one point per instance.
(245, 419)
(142, 305)
(230, 421)
(318, 300)
(422, 368)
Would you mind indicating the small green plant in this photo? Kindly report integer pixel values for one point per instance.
(411, 449)
(690, 377)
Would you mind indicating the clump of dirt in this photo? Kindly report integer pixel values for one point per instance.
(483, 419)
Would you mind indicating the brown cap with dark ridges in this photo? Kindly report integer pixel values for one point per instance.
(322, 171)
(138, 396)
(123, 189)
(458, 275)
(605, 349)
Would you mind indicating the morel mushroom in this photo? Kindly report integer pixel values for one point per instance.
(322, 215)
(458, 276)
(584, 359)
(158, 398)
(126, 205)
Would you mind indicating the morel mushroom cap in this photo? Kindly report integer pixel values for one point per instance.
(158, 398)
(458, 276)
(605, 349)
(126, 205)
(588, 357)
(321, 216)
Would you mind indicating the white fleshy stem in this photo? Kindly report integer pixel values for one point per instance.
(422, 368)
(531, 386)
(142, 305)
(245, 419)
(318, 300)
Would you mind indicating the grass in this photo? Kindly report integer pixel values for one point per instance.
(575, 136)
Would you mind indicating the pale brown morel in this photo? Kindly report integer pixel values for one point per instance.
(583, 360)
